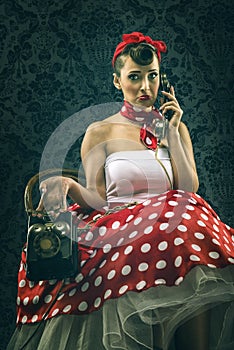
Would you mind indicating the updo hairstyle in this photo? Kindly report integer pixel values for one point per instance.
(141, 53)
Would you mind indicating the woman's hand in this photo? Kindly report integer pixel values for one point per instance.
(172, 105)
(54, 191)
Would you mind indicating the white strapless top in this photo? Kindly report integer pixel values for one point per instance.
(137, 175)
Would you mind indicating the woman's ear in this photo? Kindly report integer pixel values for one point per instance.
(116, 81)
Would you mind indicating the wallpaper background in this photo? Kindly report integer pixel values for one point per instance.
(56, 61)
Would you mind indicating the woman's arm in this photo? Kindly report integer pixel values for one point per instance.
(180, 147)
(56, 189)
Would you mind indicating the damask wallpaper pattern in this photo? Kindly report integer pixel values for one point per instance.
(56, 62)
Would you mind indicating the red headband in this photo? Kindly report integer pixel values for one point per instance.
(137, 37)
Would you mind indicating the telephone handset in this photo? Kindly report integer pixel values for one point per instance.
(165, 86)
(162, 122)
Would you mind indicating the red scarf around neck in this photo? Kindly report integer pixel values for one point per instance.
(137, 114)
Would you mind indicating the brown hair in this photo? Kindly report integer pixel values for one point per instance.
(141, 53)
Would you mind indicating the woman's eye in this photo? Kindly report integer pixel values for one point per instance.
(133, 76)
(153, 75)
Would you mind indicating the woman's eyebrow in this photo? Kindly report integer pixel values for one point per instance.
(138, 71)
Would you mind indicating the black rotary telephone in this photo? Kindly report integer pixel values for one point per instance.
(52, 248)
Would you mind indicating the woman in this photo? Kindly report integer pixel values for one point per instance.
(156, 261)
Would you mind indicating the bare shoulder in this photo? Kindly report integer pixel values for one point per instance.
(98, 132)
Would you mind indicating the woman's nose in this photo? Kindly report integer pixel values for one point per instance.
(145, 84)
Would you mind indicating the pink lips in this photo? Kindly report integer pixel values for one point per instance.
(144, 97)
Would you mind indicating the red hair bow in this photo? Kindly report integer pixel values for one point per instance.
(137, 37)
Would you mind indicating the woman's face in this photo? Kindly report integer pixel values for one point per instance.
(139, 84)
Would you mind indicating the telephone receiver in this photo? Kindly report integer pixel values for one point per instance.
(165, 86)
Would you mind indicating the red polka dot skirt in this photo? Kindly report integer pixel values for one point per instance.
(134, 248)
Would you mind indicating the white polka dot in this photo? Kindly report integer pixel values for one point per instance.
(212, 266)
(145, 203)
(137, 221)
(161, 264)
(111, 274)
(152, 216)
(18, 301)
(97, 302)
(205, 210)
(214, 255)
(55, 312)
(89, 236)
(228, 227)
(216, 235)
(107, 247)
(102, 230)
(48, 298)
(123, 289)
(115, 256)
(179, 280)
(79, 278)
(178, 261)
(85, 287)
(52, 282)
(162, 246)
(126, 270)
(133, 234)
(67, 308)
(41, 283)
(182, 228)
(61, 296)
(169, 214)
(115, 225)
(103, 263)
(194, 257)
(122, 228)
(156, 204)
(172, 203)
(199, 235)
(178, 241)
(215, 241)
(143, 267)
(192, 200)
(227, 247)
(189, 207)
(141, 285)
(216, 228)
(83, 306)
(216, 221)
(177, 195)
(231, 260)
(148, 230)
(196, 247)
(205, 217)
(36, 299)
(91, 272)
(93, 254)
(129, 218)
(22, 283)
(24, 319)
(162, 198)
(128, 250)
(201, 223)
(145, 248)
(160, 281)
(107, 293)
(26, 300)
(225, 238)
(120, 241)
(186, 216)
(163, 226)
(98, 281)
(31, 284)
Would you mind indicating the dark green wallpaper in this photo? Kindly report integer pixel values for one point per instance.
(56, 61)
